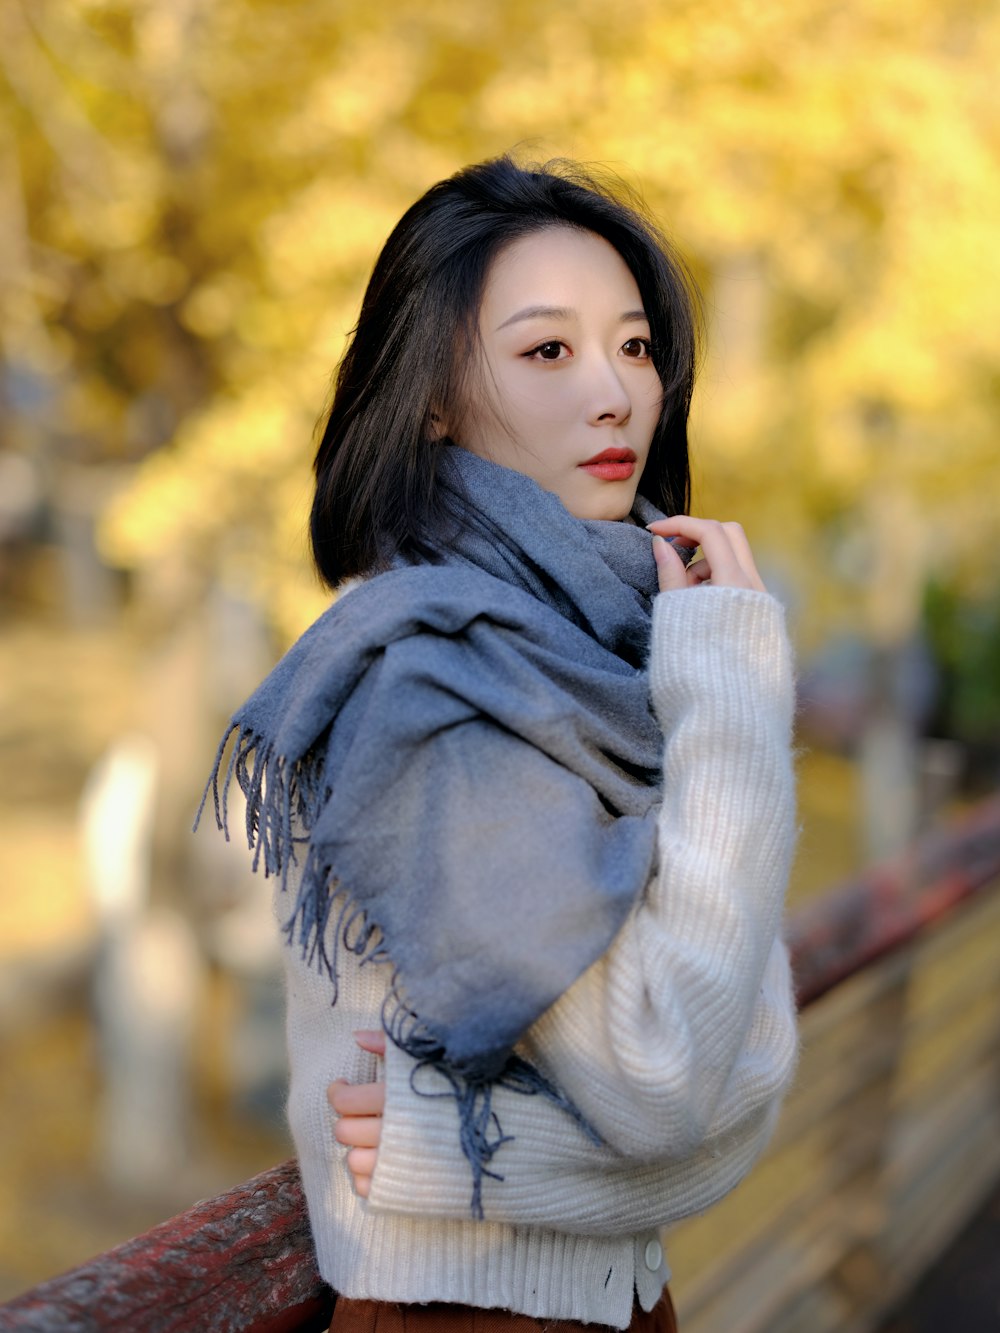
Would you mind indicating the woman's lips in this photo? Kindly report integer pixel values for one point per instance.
(611, 465)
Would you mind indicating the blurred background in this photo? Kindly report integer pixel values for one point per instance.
(192, 193)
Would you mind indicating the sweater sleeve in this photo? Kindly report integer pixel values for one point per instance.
(678, 1044)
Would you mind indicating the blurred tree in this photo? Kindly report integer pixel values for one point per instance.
(194, 193)
(966, 639)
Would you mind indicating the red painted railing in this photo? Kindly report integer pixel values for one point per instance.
(855, 924)
(243, 1262)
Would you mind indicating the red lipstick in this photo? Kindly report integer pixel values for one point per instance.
(611, 465)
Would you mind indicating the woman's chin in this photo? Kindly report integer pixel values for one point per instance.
(613, 504)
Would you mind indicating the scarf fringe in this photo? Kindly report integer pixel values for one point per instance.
(480, 1131)
(281, 797)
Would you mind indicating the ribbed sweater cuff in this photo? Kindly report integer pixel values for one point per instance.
(725, 648)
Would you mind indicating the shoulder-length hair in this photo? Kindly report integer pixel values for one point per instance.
(417, 334)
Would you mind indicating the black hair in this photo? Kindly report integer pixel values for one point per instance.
(377, 457)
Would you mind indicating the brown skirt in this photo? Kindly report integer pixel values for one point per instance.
(440, 1317)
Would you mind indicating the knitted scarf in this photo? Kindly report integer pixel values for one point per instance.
(462, 758)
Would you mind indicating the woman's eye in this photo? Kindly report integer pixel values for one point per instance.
(550, 351)
(636, 348)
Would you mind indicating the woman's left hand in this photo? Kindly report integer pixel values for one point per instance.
(360, 1107)
(726, 559)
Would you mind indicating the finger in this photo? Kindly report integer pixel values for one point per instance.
(371, 1040)
(362, 1186)
(352, 1099)
(359, 1131)
(711, 537)
(361, 1161)
(699, 571)
(716, 547)
(741, 545)
(684, 549)
(670, 573)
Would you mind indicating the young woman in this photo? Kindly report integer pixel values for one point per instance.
(526, 787)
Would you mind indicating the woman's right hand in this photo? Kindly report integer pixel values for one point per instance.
(726, 559)
(360, 1107)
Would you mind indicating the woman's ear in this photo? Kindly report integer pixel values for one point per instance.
(437, 426)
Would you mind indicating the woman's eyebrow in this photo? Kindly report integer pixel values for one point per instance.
(561, 312)
(538, 312)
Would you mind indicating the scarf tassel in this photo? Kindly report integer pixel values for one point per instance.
(283, 797)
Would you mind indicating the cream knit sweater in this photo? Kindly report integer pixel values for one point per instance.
(677, 1045)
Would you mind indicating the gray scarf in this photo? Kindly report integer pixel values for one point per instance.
(464, 758)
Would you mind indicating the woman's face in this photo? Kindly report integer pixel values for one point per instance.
(565, 390)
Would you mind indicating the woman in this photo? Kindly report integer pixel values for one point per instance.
(526, 786)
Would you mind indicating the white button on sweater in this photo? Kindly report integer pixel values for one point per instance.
(677, 1045)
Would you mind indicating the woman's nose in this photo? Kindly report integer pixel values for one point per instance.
(608, 398)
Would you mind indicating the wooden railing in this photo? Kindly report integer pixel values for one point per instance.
(243, 1260)
(887, 1145)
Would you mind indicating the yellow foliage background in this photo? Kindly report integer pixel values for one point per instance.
(198, 190)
